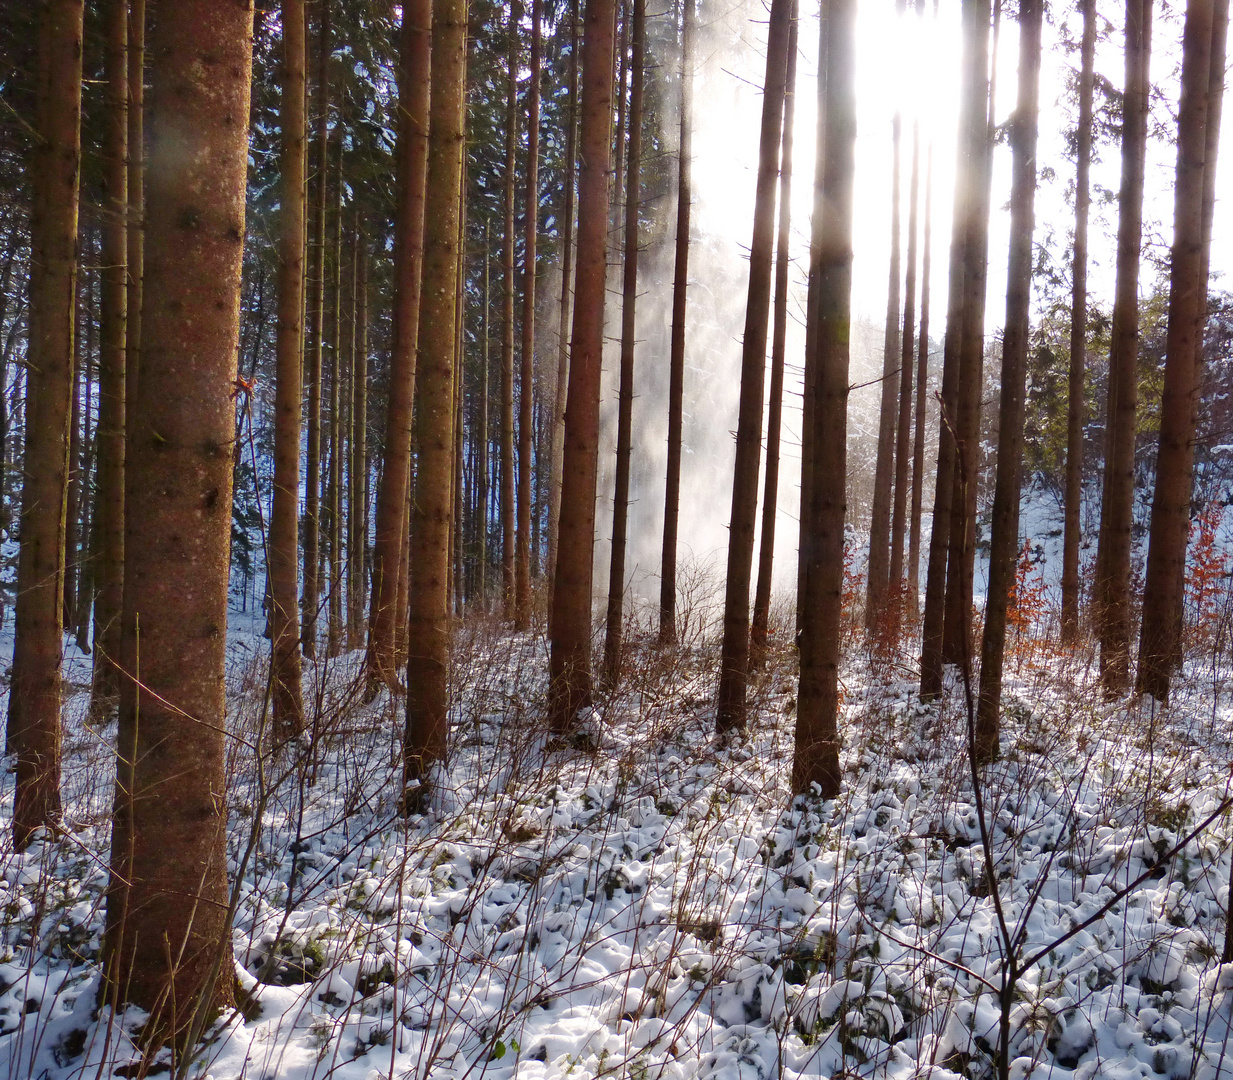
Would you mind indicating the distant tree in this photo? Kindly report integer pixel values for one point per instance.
(509, 528)
(922, 383)
(168, 892)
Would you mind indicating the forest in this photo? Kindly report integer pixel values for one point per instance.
(587, 538)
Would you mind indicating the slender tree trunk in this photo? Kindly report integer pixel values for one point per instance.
(136, 201)
(1072, 523)
(508, 476)
(481, 440)
(922, 389)
(357, 369)
(338, 424)
(283, 571)
(569, 631)
(106, 678)
(1166, 553)
(878, 576)
(567, 263)
(72, 533)
(85, 577)
(734, 652)
(903, 431)
(625, 397)
(1004, 538)
(676, 369)
(816, 757)
(621, 64)
(760, 627)
(967, 224)
(168, 890)
(428, 634)
(55, 162)
(316, 335)
(1112, 590)
(388, 553)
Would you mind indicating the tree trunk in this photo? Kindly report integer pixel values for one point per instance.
(85, 577)
(338, 424)
(74, 503)
(136, 200)
(1072, 523)
(357, 411)
(760, 627)
(283, 571)
(734, 651)
(621, 73)
(316, 335)
(169, 855)
(903, 431)
(508, 517)
(625, 396)
(428, 632)
(388, 553)
(1004, 538)
(522, 543)
(569, 629)
(481, 440)
(878, 576)
(1111, 599)
(922, 389)
(966, 225)
(1166, 553)
(110, 520)
(816, 757)
(676, 369)
(55, 163)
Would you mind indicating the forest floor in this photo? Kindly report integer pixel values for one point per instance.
(661, 907)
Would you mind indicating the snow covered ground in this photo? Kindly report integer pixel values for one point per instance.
(662, 908)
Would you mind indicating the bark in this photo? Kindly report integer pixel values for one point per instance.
(676, 370)
(338, 424)
(1004, 538)
(110, 446)
(760, 627)
(903, 430)
(34, 697)
(570, 687)
(85, 578)
(316, 334)
(625, 395)
(357, 412)
(508, 516)
(522, 561)
(878, 576)
(815, 764)
(1111, 599)
(567, 262)
(168, 888)
(1170, 527)
(481, 466)
(283, 572)
(972, 147)
(734, 651)
(73, 505)
(922, 387)
(136, 201)
(621, 64)
(1072, 503)
(428, 629)
(388, 553)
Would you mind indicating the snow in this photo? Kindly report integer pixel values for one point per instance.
(662, 908)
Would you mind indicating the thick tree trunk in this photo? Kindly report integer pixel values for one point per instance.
(903, 430)
(388, 553)
(1111, 595)
(316, 335)
(567, 263)
(676, 361)
(625, 394)
(878, 577)
(922, 389)
(168, 889)
(428, 632)
(285, 665)
(110, 520)
(815, 764)
(1004, 538)
(569, 631)
(734, 650)
(508, 475)
(760, 627)
(1072, 523)
(967, 227)
(55, 163)
(1166, 553)
(526, 381)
